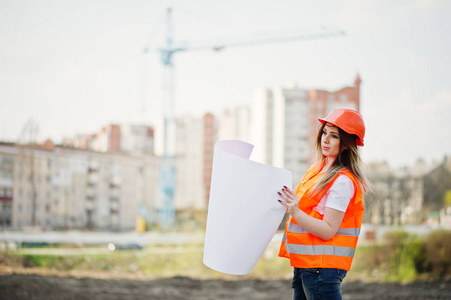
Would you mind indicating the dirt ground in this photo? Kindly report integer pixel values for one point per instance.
(37, 286)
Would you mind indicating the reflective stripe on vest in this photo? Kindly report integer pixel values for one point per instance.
(294, 228)
(320, 250)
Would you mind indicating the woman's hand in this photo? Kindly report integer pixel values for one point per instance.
(324, 229)
(291, 200)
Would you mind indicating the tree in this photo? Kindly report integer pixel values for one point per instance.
(436, 185)
(447, 198)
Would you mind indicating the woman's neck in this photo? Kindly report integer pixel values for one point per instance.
(328, 165)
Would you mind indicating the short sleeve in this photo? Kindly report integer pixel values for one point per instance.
(340, 193)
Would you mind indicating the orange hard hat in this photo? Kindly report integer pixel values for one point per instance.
(348, 120)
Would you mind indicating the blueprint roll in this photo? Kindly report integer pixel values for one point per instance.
(243, 211)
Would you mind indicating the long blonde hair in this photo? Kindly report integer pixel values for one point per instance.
(348, 159)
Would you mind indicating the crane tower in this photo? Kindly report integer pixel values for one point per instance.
(167, 163)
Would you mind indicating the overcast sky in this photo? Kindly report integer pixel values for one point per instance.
(75, 66)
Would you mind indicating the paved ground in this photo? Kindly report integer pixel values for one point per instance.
(35, 286)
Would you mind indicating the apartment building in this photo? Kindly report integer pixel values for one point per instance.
(56, 187)
(118, 153)
(195, 139)
(189, 156)
(32, 186)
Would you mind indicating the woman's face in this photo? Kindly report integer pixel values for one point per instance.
(330, 141)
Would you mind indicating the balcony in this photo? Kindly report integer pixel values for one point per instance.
(93, 179)
(90, 193)
(6, 198)
(115, 181)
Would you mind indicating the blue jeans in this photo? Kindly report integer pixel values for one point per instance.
(317, 283)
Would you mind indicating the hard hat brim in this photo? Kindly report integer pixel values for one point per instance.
(358, 141)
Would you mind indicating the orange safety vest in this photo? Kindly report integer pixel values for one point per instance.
(308, 251)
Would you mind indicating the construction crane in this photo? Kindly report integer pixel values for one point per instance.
(167, 167)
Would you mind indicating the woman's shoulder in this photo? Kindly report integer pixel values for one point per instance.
(347, 173)
(343, 179)
(343, 185)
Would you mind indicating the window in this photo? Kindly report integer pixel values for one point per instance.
(343, 98)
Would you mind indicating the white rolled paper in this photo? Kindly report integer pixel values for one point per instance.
(243, 211)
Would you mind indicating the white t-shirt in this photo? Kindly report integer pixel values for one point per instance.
(338, 196)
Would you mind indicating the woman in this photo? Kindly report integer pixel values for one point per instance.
(326, 210)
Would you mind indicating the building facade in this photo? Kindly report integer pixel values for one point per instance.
(55, 187)
(210, 138)
(195, 139)
(401, 196)
(235, 124)
(189, 192)
(6, 189)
